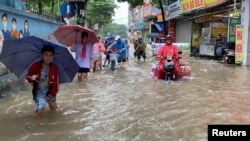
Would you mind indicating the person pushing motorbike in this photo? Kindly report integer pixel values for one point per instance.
(168, 50)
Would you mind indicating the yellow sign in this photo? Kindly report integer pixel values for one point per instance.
(188, 5)
(212, 3)
(239, 44)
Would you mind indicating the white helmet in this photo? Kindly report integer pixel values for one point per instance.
(117, 37)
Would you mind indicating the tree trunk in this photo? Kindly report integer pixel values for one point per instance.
(40, 7)
(52, 6)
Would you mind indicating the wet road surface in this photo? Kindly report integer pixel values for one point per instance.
(127, 105)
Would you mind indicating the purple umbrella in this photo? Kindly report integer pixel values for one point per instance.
(19, 54)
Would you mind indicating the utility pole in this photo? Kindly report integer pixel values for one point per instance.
(163, 18)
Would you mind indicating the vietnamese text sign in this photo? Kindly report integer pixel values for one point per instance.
(239, 44)
(212, 3)
(232, 26)
(189, 5)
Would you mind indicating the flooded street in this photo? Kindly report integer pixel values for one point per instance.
(128, 105)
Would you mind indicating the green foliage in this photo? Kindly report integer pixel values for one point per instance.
(115, 29)
(135, 3)
(100, 11)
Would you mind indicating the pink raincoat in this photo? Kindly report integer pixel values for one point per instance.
(99, 48)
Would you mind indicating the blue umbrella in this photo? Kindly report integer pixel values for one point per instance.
(19, 54)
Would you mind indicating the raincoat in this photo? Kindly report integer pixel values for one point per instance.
(164, 51)
(99, 48)
(119, 46)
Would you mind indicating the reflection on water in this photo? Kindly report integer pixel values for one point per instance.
(128, 105)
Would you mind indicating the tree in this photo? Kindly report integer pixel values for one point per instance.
(135, 3)
(100, 12)
(114, 29)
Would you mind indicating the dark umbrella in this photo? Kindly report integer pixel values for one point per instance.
(154, 35)
(19, 54)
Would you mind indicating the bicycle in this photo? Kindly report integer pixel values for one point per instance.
(95, 59)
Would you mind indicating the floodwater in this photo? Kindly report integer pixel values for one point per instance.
(127, 105)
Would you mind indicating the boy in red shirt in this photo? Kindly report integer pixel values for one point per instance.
(44, 76)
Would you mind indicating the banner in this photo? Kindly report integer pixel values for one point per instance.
(189, 5)
(239, 44)
(196, 35)
(232, 26)
(212, 3)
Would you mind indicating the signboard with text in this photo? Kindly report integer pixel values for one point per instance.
(189, 5)
(212, 3)
(239, 44)
(232, 28)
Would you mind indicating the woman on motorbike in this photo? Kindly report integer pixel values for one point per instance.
(168, 50)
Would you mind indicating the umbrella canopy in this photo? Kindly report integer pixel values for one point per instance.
(19, 54)
(154, 35)
(68, 34)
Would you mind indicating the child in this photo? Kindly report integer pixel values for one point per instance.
(99, 48)
(84, 54)
(44, 76)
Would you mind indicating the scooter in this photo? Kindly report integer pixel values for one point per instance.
(230, 56)
(113, 59)
(169, 67)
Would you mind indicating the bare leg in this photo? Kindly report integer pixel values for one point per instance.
(52, 105)
(40, 112)
(84, 76)
(79, 75)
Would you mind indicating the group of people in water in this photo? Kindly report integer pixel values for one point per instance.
(45, 88)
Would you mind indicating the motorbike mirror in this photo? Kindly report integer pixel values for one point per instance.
(180, 52)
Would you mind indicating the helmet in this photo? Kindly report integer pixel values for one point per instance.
(117, 37)
(168, 37)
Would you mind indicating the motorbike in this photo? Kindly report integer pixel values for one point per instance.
(113, 59)
(230, 56)
(169, 67)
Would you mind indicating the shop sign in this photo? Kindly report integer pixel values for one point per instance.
(173, 10)
(147, 10)
(207, 18)
(139, 26)
(232, 27)
(196, 35)
(189, 5)
(239, 44)
(159, 17)
(212, 3)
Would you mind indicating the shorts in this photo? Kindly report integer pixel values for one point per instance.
(41, 102)
(84, 70)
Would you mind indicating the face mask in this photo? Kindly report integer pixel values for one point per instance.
(14, 26)
(4, 25)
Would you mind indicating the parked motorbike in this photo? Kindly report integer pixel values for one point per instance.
(230, 56)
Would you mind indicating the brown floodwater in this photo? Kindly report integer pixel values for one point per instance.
(128, 105)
